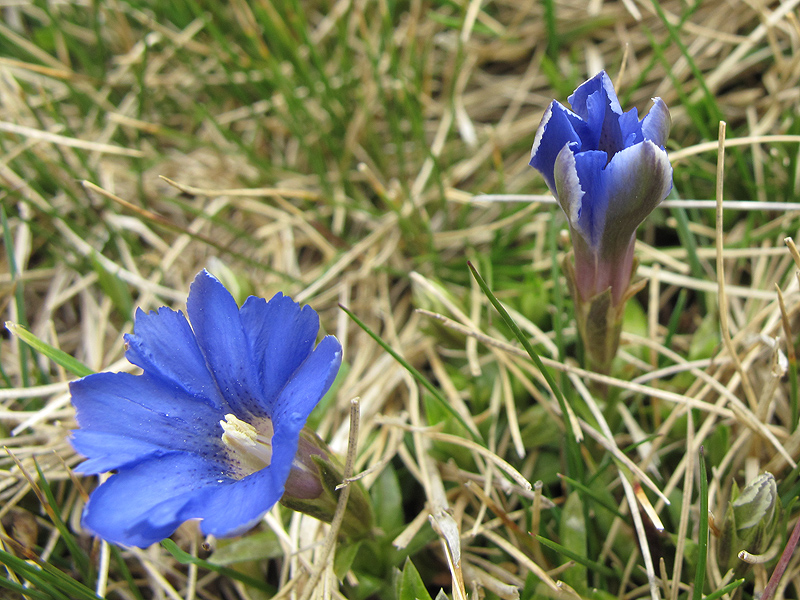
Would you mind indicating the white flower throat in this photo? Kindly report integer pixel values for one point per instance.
(249, 448)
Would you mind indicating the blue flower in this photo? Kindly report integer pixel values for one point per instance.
(608, 170)
(210, 429)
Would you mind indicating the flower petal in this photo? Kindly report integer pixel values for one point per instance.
(142, 415)
(281, 336)
(109, 451)
(630, 129)
(557, 128)
(586, 101)
(656, 123)
(580, 191)
(229, 510)
(570, 193)
(308, 384)
(224, 344)
(637, 179)
(144, 504)
(164, 345)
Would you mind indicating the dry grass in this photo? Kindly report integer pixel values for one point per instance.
(181, 153)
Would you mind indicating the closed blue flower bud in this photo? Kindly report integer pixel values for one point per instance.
(608, 170)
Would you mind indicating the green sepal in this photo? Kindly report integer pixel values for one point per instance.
(358, 519)
(599, 320)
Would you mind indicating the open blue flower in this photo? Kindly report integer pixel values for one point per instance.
(210, 429)
(608, 170)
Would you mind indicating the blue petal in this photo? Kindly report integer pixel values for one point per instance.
(109, 451)
(630, 128)
(308, 385)
(233, 509)
(570, 193)
(656, 123)
(281, 336)
(557, 128)
(601, 85)
(164, 345)
(581, 193)
(149, 412)
(636, 180)
(223, 342)
(145, 504)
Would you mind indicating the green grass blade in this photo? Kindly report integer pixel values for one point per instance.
(711, 101)
(675, 317)
(416, 374)
(725, 590)
(82, 561)
(593, 495)
(558, 292)
(39, 579)
(552, 29)
(70, 363)
(185, 558)
(702, 544)
(688, 241)
(19, 295)
(126, 572)
(595, 566)
(22, 590)
(574, 464)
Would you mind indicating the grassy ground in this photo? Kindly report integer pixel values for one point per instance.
(333, 150)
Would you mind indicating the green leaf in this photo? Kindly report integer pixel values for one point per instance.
(572, 530)
(598, 495)
(54, 584)
(411, 586)
(70, 363)
(725, 590)
(21, 589)
(345, 555)
(258, 546)
(706, 339)
(387, 499)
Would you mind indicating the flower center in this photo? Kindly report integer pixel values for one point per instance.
(249, 448)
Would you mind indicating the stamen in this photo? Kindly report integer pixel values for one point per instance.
(251, 448)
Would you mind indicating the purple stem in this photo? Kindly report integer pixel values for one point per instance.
(782, 563)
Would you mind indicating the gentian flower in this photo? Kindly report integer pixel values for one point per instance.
(210, 429)
(608, 170)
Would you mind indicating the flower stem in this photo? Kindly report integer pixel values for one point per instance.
(783, 562)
